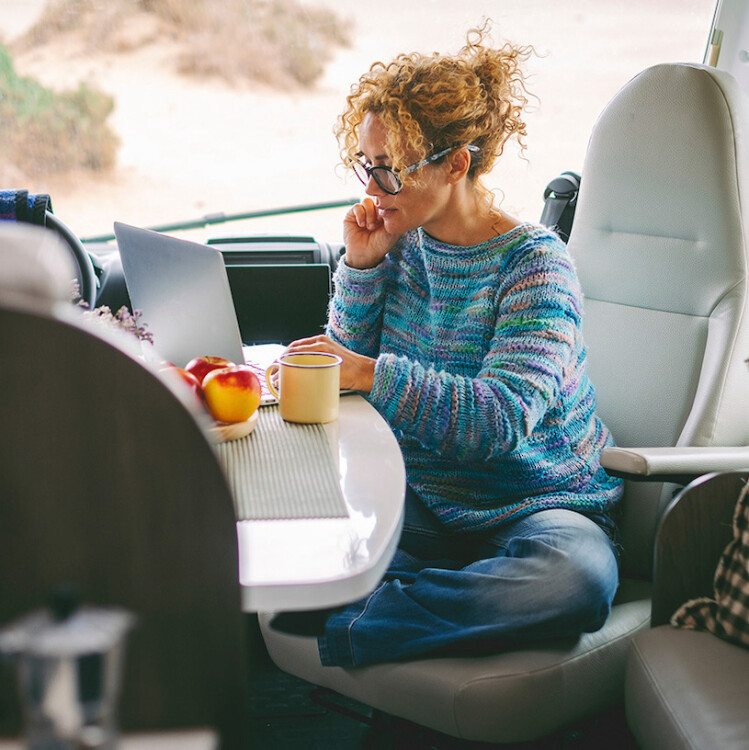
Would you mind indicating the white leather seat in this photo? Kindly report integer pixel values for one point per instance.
(687, 690)
(661, 250)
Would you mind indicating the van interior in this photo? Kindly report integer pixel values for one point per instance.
(117, 513)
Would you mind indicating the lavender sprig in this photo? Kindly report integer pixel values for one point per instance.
(125, 320)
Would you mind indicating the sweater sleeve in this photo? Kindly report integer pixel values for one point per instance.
(355, 313)
(535, 346)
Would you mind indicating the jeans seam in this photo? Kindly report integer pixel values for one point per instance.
(350, 629)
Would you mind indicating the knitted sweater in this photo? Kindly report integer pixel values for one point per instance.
(481, 374)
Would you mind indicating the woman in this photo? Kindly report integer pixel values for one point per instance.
(462, 326)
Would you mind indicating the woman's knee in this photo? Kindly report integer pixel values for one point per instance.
(593, 578)
(580, 567)
(595, 592)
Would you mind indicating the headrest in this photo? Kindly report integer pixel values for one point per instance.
(661, 211)
(36, 268)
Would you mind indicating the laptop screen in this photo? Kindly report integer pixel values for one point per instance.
(183, 292)
(280, 303)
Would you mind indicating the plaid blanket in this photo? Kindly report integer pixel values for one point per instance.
(727, 615)
(20, 205)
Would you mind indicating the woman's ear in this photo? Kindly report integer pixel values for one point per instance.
(460, 163)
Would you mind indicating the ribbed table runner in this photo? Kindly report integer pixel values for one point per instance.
(282, 471)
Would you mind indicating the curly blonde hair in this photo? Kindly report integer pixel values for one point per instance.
(428, 103)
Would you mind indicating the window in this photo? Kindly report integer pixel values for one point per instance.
(191, 146)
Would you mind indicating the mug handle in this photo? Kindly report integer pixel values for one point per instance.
(268, 374)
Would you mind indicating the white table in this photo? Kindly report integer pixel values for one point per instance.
(315, 563)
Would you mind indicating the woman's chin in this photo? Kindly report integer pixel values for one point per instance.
(393, 222)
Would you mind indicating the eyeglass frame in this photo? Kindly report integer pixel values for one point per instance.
(371, 171)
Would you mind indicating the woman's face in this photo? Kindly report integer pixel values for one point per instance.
(416, 205)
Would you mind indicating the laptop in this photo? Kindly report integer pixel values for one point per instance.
(194, 304)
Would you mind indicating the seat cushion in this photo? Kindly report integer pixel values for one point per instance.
(507, 697)
(687, 689)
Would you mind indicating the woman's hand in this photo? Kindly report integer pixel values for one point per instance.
(357, 371)
(364, 235)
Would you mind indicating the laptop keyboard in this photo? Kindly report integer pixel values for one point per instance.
(266, 395)
(260, 357)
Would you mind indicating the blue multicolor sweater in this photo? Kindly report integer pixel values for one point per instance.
(481, 374)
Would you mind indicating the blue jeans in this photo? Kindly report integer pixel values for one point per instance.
(551, 574)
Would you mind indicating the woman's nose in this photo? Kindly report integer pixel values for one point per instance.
(372, 188)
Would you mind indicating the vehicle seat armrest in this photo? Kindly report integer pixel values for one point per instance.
(673, 464)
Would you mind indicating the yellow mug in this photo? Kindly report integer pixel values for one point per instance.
(308, 386)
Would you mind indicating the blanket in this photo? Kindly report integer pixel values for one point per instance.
(20, 205)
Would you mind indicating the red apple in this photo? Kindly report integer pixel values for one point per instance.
(187, 378)
(201, 366)
(232, 394)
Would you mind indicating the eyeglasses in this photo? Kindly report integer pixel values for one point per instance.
(387, 179)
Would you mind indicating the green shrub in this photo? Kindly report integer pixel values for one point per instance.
(44, 132)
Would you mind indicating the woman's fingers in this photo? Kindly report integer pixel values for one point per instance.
(365, 215)
(372, 217)
(357, 371)
(359, 213)
(364, 235)
(314, 343)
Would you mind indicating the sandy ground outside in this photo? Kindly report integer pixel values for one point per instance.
(191, 148)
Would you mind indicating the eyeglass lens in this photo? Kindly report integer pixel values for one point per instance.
(383, 176)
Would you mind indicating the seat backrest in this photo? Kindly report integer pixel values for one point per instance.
(108, 482)
(660, 244)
